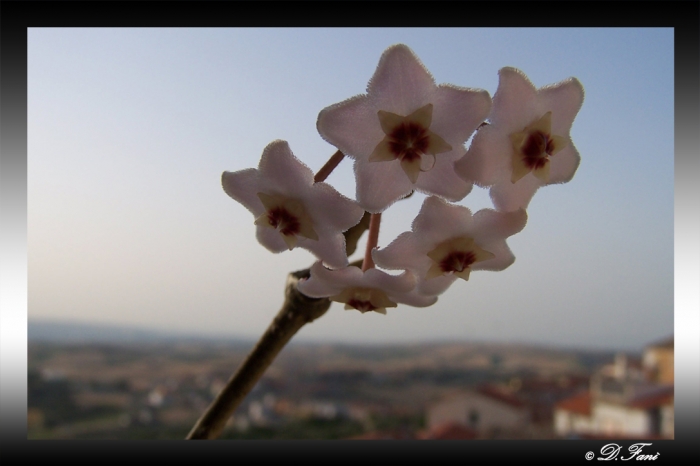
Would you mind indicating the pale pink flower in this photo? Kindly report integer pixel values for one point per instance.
(527, 143)
(372, 290)
(290, 209)
(406, 132)
(447, 242)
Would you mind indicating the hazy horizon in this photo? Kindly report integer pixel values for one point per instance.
(129, 131)
(98, 333)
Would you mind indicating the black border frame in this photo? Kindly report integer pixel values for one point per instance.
(18, 16)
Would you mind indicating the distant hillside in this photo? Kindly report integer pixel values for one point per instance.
(77, 332)
(455, 354)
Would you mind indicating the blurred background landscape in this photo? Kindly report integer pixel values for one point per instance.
(147, 287)
(99, 382)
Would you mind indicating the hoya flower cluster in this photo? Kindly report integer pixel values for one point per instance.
(408, 134)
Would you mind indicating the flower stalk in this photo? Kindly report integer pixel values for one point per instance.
(372, 240)
(297, 311)
(328, 168)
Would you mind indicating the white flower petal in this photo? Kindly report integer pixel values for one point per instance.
(488, 157)
(329, 247)
(340, 125)
(380, 184)
(243, 186)
(416, 299)
(338, 212)
(490, 224)
(443, 181)
(281, 169)
(317, 288)
(503, 259)
(515, 103)
(324, 282)
(390, 284)
(457, 112)
(494, 227)
(435, 286)
(564, 165)
(400, 254)
(564, 100)
(508, 196)
(438, 220)
(271, 239)
(401, 84)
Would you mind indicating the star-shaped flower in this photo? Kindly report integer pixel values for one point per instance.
(447, 242)
(290, 209)
(406, 132)
(527, 143)
(372, 290)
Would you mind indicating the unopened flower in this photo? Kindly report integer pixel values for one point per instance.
(406, 132)
(448, 242)
(372, 290)
(290, 209)
(527, 143)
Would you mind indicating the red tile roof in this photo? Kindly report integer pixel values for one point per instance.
(497, 394)
(579, 404)
(663, 396)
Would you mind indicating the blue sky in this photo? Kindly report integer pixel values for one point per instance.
(129, 131)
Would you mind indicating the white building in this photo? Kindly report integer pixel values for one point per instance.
(487, 410)
(624, 400)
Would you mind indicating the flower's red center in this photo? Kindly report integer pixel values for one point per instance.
(281, 219)
(457, 261)
(533, 147)
(536, 149)
(408, 141)
(361, 305)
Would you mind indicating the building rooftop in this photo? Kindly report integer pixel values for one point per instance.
(500, 395)
(579, 404)
(661, 396)
(665, 343)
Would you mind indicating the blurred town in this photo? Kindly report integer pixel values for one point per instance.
(136, 390)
